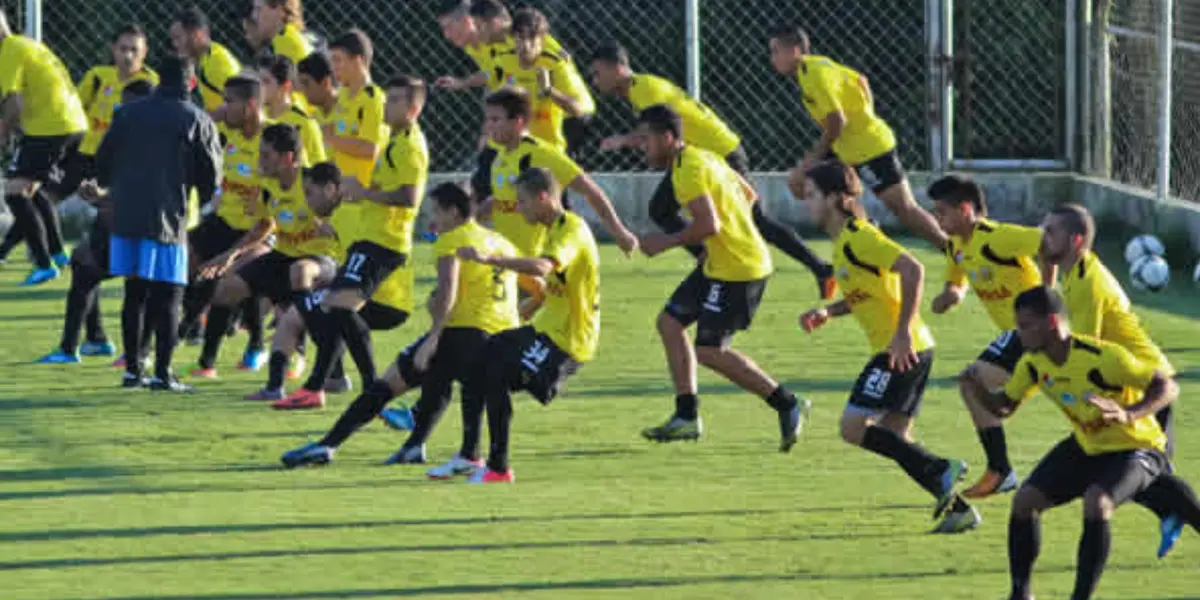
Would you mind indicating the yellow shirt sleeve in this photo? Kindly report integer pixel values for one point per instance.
(291, 43)
(955, 274)
(690, 180)
(314, 142)
(402, 164)
(12, 67)
(1119, 367)
(372, 128)
(447, 245)
(88, 87)
(1088, 318)
(821, 87)
(562, 246)
(560, 165)
(1022, 385)
(1017, 240)
(566, 78)
(222, 67)
(875, 248)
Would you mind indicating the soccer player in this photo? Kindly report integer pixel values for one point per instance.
(315, 80)
(380, 242)
(472, 302)
(1116, 450)
(280, 24)
(881, 288)
(483, 29)
(278, 76)
(191, 36)
(839, 100)
(539, 357)
(36, 96)
(720, 296)
(702, 128)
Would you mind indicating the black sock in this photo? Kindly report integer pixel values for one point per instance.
(164, 305)
(195, 299)
(921, 466)
(276, 368)
(252, 318)
(1168, 426)
(1093, 553)
(81, 298)
(472, 421)
(93, 318)
(435, 397)
(214, 333)
(781, 400)
(786, 239)
(498, 403)
(339, 370)
(1024, 544)
(357, 336)
(330, 348)
(29, 223)
(133, 322)
(361, 411)
(48, 213)
(995, 446)
(687, 407)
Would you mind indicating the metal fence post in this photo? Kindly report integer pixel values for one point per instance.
(692, 36)
(33, 19)
(1166, 50)
(1071, 67)
(939, 35)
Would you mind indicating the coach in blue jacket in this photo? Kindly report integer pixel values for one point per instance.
(156, 150)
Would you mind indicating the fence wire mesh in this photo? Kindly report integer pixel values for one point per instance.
(1185, 109)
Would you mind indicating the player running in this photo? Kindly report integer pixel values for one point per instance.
(191, 36)
(721, 295)
(702, 128)
(839, 99)
(881, 287)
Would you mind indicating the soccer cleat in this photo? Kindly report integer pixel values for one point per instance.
(486, 475)
(991, 483)
(407, 455)
(265, 395)
(675, 430)
(791, 424)
(400, 419)
(40, 276)
(296, 368)
(827, 286)
(338, 385)
(105, 348)
(130, 381)
(301, 399)
(955, 470)
(1170, 529)
(120, 363)
(170, 384)
(203, 373)
(310, 454)
(60, 260)
(58, 357)
(455, 467)
(959, 522)
(253, 360)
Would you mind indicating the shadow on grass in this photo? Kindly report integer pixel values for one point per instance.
(61, 473)
(798, 386)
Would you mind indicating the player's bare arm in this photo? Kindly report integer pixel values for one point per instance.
(358, 148)
(440, 305)
(952, 295)
(831, 130)
(450, 82)
(1161, 392)
(704, 224)
(598, 200)
(814, 319)
(404, 196)
(536, 267)
(257, 235)
(994, 401)
(901, 355)
(568, 103)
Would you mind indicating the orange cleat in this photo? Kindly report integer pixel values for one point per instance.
(203, 373)
(301, 399)
(991, 483)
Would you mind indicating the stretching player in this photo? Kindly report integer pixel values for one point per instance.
(702, 128)
(839, 99)
(315, 80)
(720, 296)
(881, 288)
(191, 36)
(278, 76)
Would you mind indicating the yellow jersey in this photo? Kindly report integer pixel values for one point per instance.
(506, 219)
(1093, 367)
(570, 316)
(100, 92)
(294, 44)
(240, 195)
(212, 71)
(999, 263)
(702, 127)
(862, 261)
(1098, 307)
(548, 116)
(296, 225)
(737, 251)
(359, 116)
(396, 291)
(312, 141)
(405, 162)
(487, 296)
(49, 104)
(827, 86)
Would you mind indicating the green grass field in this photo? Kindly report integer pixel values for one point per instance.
(112, 494)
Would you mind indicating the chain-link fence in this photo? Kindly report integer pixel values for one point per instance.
(1185, 110)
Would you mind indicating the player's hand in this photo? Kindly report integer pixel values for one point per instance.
(1110, 410)
(425, 354)
(626, 241)
(352, 189)
(901, 356)
(814, 319)
(448, 82)
(944, 302)
(614, 142)
(543, 81)
(472, 254)
(90, 191)
(528, 307)
(653, 244)
(216, 267)
(326, 230)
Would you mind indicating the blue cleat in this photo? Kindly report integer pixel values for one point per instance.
(253, 360)
(311, 453)
(104, 348)
(58, 357)
(400, 419)
(955, 470)
(60, 260)
(40, 276)
(1170, 529)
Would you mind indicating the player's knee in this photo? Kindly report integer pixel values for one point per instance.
(300, 275)
(709, 355)
(347, 299)
(852, 428)
(231, 290)
(1097, 503)
(668, 324)
(1028, 502)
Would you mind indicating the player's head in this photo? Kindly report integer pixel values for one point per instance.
(958, 203)
(831, 191)
(529, 29)
(314, 78)
(271, 16)
(506, 114)
(243, 99)
(539, 197)
(660, 135)
(175, 73)
(1041, 318)
(1067, 233)
(452, 206)
(609, 67)
(405, 100)
(491, 19)
(453, 16)
(277, 74)
(129, 49)
(279, 150)
(322, 187)
(136, 90)
(351, 53)
(788, 45)
(190, 33)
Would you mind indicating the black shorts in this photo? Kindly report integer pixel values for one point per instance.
(367, 266)
(43, 158)
(881, 172)
(530, 361)
(880, 389)
(212, 237)
(76, 168)
(380, 317)
(457, 358)
(270, 275)
(1004, 351)
(481, 178)
(739, 161)
(1066, 472)
(719, 308)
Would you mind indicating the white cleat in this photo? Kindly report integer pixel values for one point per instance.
(455, 467)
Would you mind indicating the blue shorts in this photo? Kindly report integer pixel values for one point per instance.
(149, 260)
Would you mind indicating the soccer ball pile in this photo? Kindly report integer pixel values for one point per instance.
(1148, 270)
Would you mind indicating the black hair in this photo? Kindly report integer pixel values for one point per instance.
(324, 173)
(282, 138)
(355, 42)
(243, 87)
(316, 65)
(1042, 301)
(1078, 221)
(280, 67)
(956, 190)
(538, 180)
(131, 29)
(487, 9)
(514, 101)
(835, 177)
(173, 71)
(661, 119)
(449, 7)
(612, 53)
(135, 90)
(790, 35)
(452, 195)
(529, 22)
(414, 85)
(192, 19)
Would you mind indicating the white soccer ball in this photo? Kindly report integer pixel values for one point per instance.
(1143, 245)
(1150, 273)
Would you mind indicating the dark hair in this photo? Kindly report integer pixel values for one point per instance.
(192, 19)
(1078, 221)
(487, 9)
(449, 7)
(612, 53)
(136, 89)
(956, 190)
(538, 180)
(173, 71)
(324, 173)
(355, 42)
(529, 22)
(835, 177)
(514, 101)
(1042, 301)
(790, 35)
(661, 119)
(316, 65)
(243, 87)
(282, 138)
(279, 66)
(414, 85)
(452, 195)
(131, 29)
